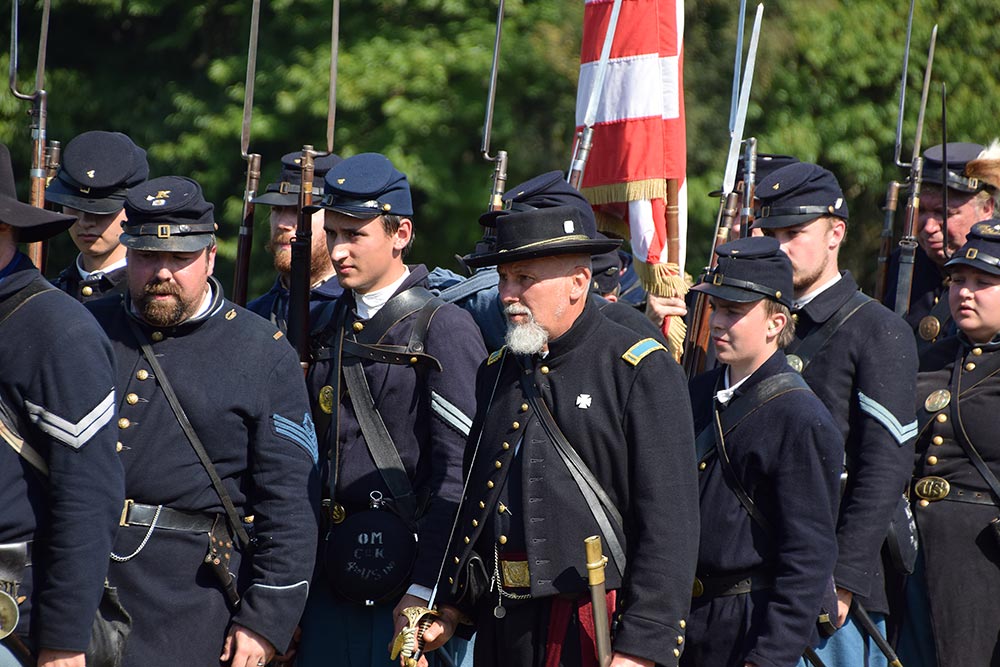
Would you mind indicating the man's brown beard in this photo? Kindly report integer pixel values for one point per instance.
(319, 260)
(163, 313)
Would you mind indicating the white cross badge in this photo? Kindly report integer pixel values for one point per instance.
(583, 401)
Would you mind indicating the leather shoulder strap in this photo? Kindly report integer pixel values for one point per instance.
(22, 296)
(235, 523)
(806, 348)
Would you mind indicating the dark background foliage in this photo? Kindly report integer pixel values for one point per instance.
(412, 84)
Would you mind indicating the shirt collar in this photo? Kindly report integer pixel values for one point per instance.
(369, 304)
(84, 274)
(805, 300)
(725, 395)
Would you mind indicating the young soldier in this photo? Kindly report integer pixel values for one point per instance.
(393, 389)
(97, 170)
(218, 535)
(860, 359)
(61, 484)
(573, 402)
(769, 471)
(283, 198)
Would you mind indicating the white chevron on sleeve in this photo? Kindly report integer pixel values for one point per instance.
(77, 434)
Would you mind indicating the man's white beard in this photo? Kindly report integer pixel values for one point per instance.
(527, 338)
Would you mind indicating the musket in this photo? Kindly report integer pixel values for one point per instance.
(696, 343)
(585, 137)
(596, 561)
(885, 238)
(53, 156)
(500, 159)
(245, 241)
(908, 243)
(749, 186)
(39, 112)
(300, 277)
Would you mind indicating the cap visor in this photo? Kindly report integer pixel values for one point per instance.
(277, 199)
(981, 266)
(57, 193)
(591, 247)
(782, 221)
(728, 293)
(190, 243)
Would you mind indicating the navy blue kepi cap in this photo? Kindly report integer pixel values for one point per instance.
(97, 170)
(981, 249)
(543, 232)
(168, 214)
(797, 194)
(285, 191)
(959, 155)
(543, 191)
(366, 186)
(767, 163)
(749, 270)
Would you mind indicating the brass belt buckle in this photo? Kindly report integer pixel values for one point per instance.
(932, 488)
(516, 574)
(123, 521)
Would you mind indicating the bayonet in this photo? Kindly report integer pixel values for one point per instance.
(737, 66)
(902, 91)
(253, 160)
(331, 115)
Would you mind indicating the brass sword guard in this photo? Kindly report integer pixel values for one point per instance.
(410, 638)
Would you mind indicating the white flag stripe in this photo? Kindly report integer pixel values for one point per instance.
(635, 87)
(641, 227)
(73, 434)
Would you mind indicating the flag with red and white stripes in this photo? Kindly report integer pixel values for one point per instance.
(639, 136)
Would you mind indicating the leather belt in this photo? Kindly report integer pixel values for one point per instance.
(933, 489)
(138, 514)
(14, 558)
(706, 586)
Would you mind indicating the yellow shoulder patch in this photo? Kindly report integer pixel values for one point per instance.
(641, 350)
(496, 356)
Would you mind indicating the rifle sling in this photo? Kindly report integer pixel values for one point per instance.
(806, 348)
(600, 505)
(227, 503)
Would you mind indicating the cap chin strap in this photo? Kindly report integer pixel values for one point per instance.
(720, 279)
(772, 211)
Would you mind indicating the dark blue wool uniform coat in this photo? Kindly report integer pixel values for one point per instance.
(92, 288)
(242, 388)
(958, 543)
(273, 305)
(621, 404)
(928, 293)
(427, 412)
(57, 377)
(787, 455)
(866, 376)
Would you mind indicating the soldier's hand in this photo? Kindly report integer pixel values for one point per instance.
(288, 657)
(51, 658)
(658, 308)
(844, 598)
(441, 629)
(623, 660)
(246, 648)
(397, 613)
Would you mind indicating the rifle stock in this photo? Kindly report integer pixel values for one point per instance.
(244, 245)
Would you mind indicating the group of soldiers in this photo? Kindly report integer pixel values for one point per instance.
(454, 440)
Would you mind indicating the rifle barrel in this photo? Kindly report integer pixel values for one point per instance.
(300, 279)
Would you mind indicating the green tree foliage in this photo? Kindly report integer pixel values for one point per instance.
(412, 84)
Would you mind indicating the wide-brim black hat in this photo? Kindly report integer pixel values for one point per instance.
(543, 232)
(33, 224)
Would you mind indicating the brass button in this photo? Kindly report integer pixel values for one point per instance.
(683, 624)
(677, 653)
(87, 290)
(795, 317)
(702, 465)
(498, 465)
(524, 407)
(359, 326)
(924, 503)
(976, 351)
(123, 423)
(970, 366)
(942, 418)
(505, 446)
(680, 640)
(451, 580)
(489, 484)
(516, 425)
(482, 505)
(457, 560)
(157, 336)
(466, 539)
(141, 374)
(413, 360)
(932, 460)
(475, 523)
(119, 446)
(544, 370)
(501, 508)
(131, 399)
(502, 539)
(937, 440)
